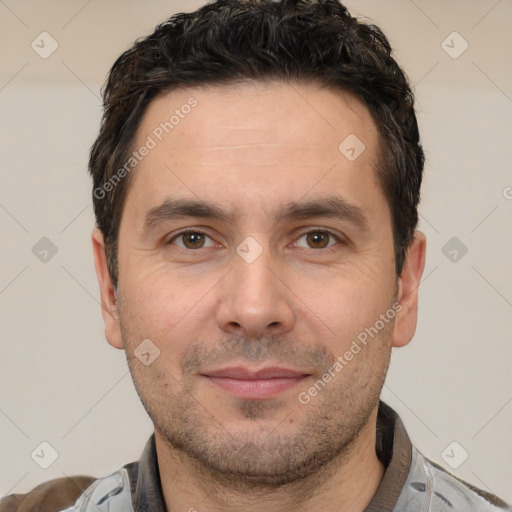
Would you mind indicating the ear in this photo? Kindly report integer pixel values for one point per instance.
(408, 284)
(108, 297)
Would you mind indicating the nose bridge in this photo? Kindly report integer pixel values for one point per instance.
(254, 299)
(253, 278)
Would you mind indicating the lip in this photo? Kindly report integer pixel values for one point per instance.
(263, 383)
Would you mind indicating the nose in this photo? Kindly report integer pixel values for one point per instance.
(255, 300)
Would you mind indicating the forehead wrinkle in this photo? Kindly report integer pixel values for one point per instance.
(258, 145)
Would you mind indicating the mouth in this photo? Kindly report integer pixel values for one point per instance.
(251, 384)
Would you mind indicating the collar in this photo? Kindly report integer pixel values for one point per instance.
(393, 448)
(145, 484)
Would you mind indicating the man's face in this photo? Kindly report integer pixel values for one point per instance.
(249, 311)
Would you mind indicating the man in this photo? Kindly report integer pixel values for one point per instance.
(256, 182)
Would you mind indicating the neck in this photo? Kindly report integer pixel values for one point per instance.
(347, 483)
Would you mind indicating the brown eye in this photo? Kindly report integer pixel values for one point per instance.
(318, 239)
(191, 240)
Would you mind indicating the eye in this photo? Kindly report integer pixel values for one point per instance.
(315, 239)
(191, 240)
(318, 239)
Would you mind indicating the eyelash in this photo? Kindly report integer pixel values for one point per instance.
(317, 230)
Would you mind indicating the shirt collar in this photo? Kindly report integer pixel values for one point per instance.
(394, 450)
(145, 484)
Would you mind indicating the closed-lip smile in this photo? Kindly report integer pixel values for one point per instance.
(255, 384)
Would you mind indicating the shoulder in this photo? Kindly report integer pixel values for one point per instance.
(78, 494)
(52, 496)
(464, 491)
(451, 492)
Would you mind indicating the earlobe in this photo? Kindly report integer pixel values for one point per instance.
(109, 306)
(407, 296)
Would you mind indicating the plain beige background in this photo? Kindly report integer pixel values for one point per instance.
(61, 383)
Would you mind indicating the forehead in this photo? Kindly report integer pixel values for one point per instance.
(248, 111)
(266, 138)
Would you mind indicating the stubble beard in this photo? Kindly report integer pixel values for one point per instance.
(281, 445)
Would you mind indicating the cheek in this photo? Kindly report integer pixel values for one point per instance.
(157, 382)
(150, 304)
(343, 307)
(166, 310)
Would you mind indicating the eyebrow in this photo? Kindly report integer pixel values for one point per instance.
(329, 207)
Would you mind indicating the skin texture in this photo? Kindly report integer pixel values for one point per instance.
(250, 149)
